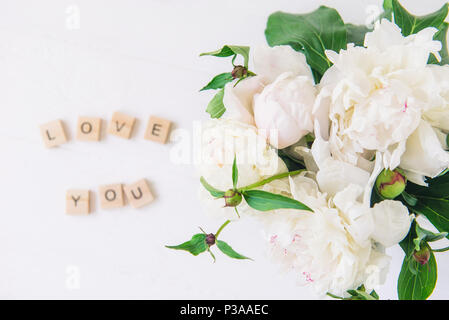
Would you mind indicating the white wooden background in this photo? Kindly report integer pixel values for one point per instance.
(140, 57)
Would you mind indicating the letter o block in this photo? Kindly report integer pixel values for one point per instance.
(111, 196)
(89, 129)
(138, 193)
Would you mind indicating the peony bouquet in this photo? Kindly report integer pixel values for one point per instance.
(335, 140)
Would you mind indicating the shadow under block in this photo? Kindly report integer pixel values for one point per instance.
(157, 129)
(88, 129)
(121, 125)
(78, 202)
(53, 133)
(138, 193)
(111, 196)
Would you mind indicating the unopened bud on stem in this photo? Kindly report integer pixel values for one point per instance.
(210, 239)
(422, 256)
(391, 184)
(239, 72)
(232, 198)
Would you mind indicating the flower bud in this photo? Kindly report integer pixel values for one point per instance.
(210, 239)
(232, 198)
(239, 72)
(422, 256)
(391, 184)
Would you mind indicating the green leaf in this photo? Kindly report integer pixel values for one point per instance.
(420, 284)
(409, 199)
(195, 246)
(441, 35)
(214, 192)
(228, 51)
(315, 32)
(438, 187)
(219, 81)
(235, 173)
(411, 24)
(436, 210)
(356, 34)
(388, 10)
(216, 107)
(227, 250)
(266, 201)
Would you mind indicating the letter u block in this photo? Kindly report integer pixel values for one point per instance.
(139, 193)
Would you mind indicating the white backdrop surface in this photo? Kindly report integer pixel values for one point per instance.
(139, 57)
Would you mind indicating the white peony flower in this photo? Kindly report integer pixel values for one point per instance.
(286, 107)
(391, 222)
(331, 249)
(220, 141)
(375, 95)
(280, 98)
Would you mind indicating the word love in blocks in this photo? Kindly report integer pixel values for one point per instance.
(89, 129)
(112, 196)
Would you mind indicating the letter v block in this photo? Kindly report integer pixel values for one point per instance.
(53, 133)
(78, 202)
(121, 125)
(139, 193)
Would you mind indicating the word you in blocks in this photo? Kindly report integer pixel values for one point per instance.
(111, 196)
(89, 129)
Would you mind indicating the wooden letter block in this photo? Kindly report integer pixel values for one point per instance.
(138, 193)
(88, 129)
(121, 125)
(157, 129)
(53, 133)
(111, 196)
(78, 202)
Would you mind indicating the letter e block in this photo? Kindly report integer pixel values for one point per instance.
(88, 129)
(121, 125)
(138, 193)
(111, 196)
(53, 133)
(157, 129)
(77, 202)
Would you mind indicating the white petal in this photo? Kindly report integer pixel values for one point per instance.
(272, 62)
(424, 154)
(238, 99)
(391, 222)
(335, 175)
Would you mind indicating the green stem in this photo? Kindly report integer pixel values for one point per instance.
(441, 250)
(236, 211)
(334, 296)
(268, 180)
(222, 227)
